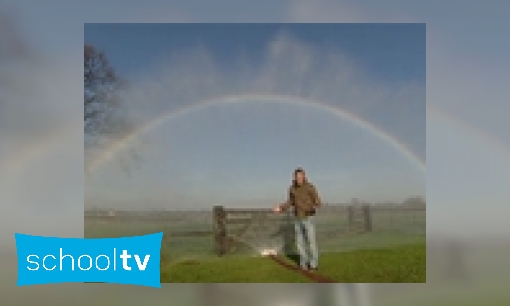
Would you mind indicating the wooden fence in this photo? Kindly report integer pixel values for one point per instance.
(229, 227)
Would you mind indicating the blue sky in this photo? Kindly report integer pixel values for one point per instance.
(392, 52)
(243, 154)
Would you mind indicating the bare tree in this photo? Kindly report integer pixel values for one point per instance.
(105, 118)
(102, 104)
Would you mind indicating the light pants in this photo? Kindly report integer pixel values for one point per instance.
(305, 236)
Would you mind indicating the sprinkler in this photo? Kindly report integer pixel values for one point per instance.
(268, 252)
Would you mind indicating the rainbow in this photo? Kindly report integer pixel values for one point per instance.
(110, 152)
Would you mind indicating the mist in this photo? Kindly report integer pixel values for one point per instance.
(194, 77)
(466, 67)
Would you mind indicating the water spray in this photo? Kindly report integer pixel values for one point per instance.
(268, 252)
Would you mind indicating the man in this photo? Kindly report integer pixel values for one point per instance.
(304, 199)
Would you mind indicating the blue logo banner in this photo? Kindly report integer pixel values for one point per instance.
(126, 260)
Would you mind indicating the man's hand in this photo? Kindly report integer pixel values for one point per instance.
(277, 209)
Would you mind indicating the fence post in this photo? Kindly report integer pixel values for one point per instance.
(350, 217)
(220, 231)
(367, 214)
(351, 213)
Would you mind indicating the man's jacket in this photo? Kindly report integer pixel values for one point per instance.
(303, 198)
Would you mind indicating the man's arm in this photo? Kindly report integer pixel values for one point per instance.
(285, 206)
(315, 196)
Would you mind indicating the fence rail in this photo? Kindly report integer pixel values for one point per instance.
(227, 226)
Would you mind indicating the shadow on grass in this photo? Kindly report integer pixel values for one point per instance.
(293, 257)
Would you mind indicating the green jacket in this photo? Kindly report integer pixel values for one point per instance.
(304, 198)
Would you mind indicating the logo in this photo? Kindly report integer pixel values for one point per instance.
(126, 260)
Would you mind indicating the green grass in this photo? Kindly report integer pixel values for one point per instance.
(400, 264)
(229, 270)
(374, 240)
(404, 264)
(393, 252)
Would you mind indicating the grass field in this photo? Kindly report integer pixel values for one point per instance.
(393, 252)
(401, 264)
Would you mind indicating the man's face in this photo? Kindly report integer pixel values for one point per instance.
(300, 178)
